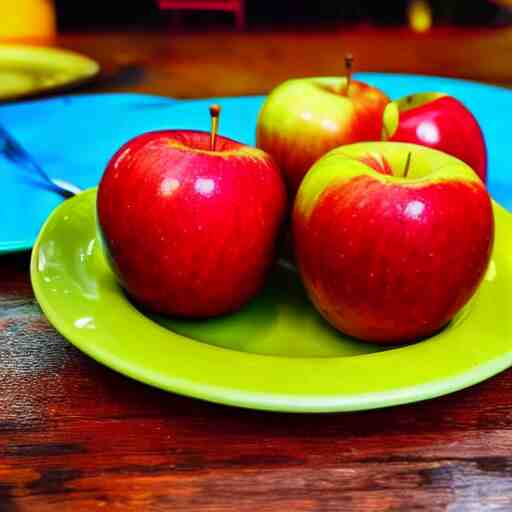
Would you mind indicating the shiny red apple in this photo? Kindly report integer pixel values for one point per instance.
(301, 120)
(391, 258)
(438, 121)
(190, 231)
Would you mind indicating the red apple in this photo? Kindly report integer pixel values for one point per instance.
(438, 121)
(190, 231)
(301, 120)
(387, 258)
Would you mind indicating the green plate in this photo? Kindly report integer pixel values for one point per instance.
(29, 70)
(277, 353)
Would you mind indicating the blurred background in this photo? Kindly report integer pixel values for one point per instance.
(264, 13)
(200, 48)
(267, 13)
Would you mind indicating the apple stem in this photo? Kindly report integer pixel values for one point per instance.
(214, 114)
(407, 164)
(349, 59)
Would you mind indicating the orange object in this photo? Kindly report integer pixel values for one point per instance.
(27, 20)
(420, 15)
(235, 6)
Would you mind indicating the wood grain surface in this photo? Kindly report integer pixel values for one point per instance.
(75, 436)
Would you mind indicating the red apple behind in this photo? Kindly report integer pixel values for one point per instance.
(441, 122)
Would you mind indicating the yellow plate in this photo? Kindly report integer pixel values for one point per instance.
(29, 70)
(277, 353)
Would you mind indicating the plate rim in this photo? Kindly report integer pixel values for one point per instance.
(91, 69)
(444, 79)
(281, 402)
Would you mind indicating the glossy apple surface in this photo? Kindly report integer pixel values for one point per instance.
(301, 120)
(190, 232)
(438, 121)
(389, 259)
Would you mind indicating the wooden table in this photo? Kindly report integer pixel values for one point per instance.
(76, 436)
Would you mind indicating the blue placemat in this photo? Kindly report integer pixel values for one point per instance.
(73, 138)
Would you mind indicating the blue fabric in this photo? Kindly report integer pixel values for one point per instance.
(73, 137)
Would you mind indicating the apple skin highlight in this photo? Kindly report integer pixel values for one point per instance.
(440, 122)
(303, 119)
(388, 259)
(190, 232)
